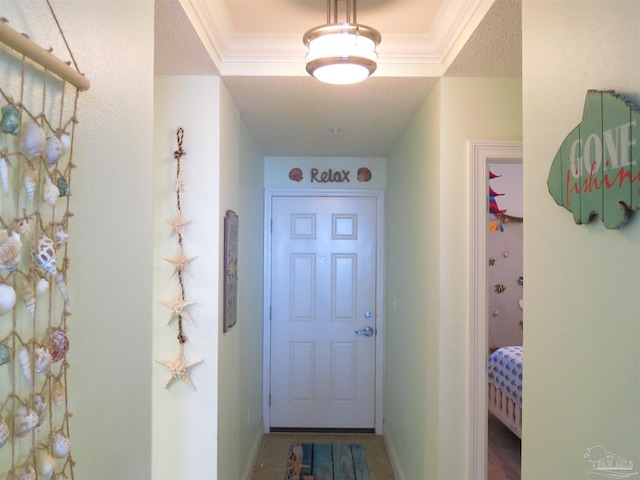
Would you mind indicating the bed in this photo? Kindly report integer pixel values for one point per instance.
(505, 387)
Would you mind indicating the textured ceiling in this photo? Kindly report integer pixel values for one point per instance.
(261, 59)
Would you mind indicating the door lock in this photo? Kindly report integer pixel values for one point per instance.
(365, 332)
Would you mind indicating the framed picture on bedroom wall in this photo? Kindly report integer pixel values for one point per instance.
(230, 308)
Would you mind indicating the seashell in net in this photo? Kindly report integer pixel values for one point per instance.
(24, 420)
(29, 296)
(7, 298)
(58, 344)
(52, 150)
(5, 354)
(40, 407)
(45, 465)
(4, 432)
(25, 473)
(295, 174)
(50, 192)
(42, 360)
(61, 237)
(60, 445)
(23, 228)
(10, 245)
(58, 393)
(32, 138)
(10, 122)
(25, 365)
(44, 254)
(30, 181)
(61, 282)
(42, 286)
(4, 175)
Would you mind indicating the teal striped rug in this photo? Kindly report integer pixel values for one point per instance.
(326, 461)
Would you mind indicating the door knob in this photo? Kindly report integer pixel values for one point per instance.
(366, 332)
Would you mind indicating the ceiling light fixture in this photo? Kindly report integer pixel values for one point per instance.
(341, 53)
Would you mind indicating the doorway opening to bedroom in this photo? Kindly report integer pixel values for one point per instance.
(495, 259)
(505, 285)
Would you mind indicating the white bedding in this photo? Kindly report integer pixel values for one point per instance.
(505, 371)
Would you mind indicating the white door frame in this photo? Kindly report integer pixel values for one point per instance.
(380, 309)
(480, 155)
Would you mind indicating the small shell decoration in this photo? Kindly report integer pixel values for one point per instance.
(5, 354)
(58, 344)
(65, 141)
(52, 150)
(63, 187)
(364, 174)
(42, 360)
(25, 364)
(40, 407)
(41, 287)
(50, 192)
(32, 139)
(7, 298)
(30, 181)
(4, 175)
(295, 174)
(10, 122)
(60, 236)
(44, 254)
(10, 245)
(25, 473)
(45, 465)
(23, 228)
(24, 420)
(61, 282)
(60, 445)
(58, 393)
(29, 296)
(4, 432)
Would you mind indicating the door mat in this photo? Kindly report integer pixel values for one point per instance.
(326, 461)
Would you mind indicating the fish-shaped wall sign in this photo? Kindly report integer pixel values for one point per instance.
(597, 168)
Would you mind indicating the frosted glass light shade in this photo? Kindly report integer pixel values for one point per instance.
(341, 53)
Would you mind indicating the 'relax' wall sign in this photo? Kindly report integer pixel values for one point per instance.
(597, 168)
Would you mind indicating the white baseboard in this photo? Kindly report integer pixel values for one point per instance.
(255, 452)
(393, 457)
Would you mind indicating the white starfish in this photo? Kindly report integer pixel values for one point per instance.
(180, 263)
(177, 225)
(179, 369)
(178, 307)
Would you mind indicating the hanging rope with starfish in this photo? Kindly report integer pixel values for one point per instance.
(179, 367)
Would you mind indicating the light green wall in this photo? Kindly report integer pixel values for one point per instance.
(222, 171)
(250, 283)
(428, 271)
(184, 430)
(581, 321)
(240, 349)
(472, 109)
(412, 253)
(110, 235)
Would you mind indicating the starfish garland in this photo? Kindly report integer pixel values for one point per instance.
(179, 368)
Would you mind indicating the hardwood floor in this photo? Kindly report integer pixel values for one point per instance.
(503, 462)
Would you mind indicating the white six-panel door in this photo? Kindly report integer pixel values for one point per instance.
(323, 298)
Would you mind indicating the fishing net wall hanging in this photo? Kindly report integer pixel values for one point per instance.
(39, 102)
